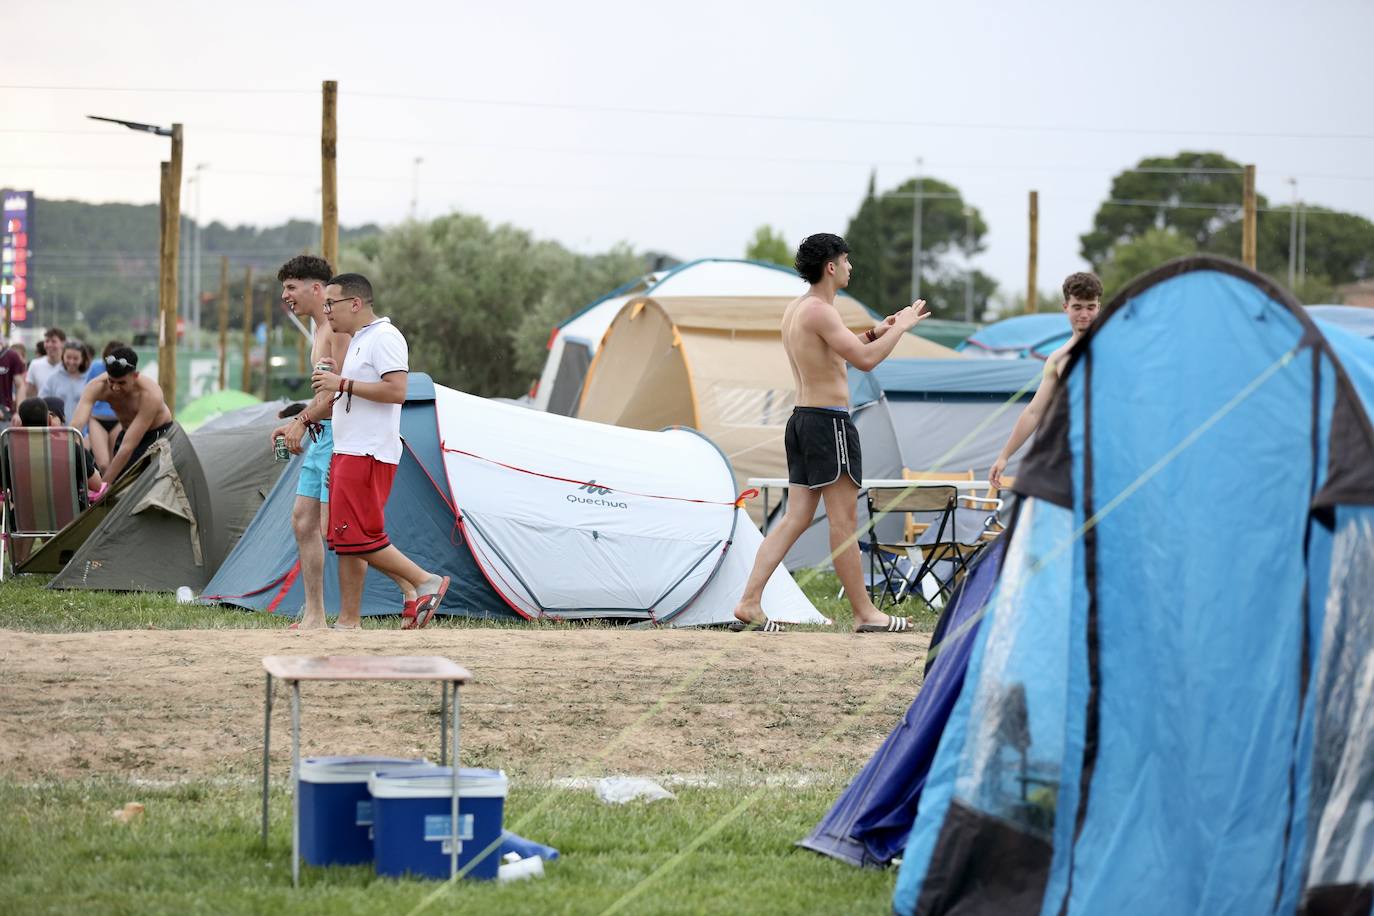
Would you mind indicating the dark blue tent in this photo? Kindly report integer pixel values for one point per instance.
(1169, 706)
(869, 823)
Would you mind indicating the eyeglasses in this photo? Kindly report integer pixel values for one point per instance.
(330, 303)
(120, 361)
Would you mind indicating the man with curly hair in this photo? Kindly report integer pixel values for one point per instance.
(1082, 299)
(822, 445)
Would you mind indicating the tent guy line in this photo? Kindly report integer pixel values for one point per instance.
(1040, 563)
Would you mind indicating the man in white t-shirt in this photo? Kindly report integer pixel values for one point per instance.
(50, 361)
(367, 449)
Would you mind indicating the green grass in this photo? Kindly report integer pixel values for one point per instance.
(198, 849)
(27, 604)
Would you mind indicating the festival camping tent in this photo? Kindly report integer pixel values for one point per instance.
(537, 515)
(1022, 337)
(944, 415)
(1356, 319)
(869, 823)
(1168, 706)
(154, 531)
(575, 342)
(215, 404)
(224, 473)
(689, 355)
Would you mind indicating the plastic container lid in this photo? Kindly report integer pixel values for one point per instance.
(354, 769)
(437, 782)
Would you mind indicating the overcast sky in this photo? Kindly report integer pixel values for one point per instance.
(682, 128)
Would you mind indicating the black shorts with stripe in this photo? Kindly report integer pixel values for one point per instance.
(822, 444)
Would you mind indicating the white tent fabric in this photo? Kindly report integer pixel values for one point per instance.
(576, 519)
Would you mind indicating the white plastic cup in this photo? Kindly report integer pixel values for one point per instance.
(533, 867)
(185, 595)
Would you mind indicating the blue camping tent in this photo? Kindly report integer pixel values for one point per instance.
(1024, 336)
(1353, 318)
(869, 823)
(1169, 707)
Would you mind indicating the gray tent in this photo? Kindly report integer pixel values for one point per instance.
(173, 518)
(928, 415)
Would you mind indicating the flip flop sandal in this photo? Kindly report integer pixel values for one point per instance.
(408, 614)
(768, 626)
(427, 605)
(893, 625)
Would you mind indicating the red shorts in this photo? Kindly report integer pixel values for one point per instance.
(358, 488)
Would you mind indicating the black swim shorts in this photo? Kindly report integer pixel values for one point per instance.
(821, 444)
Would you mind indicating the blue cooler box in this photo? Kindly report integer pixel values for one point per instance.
(336, 809)
(410, 821)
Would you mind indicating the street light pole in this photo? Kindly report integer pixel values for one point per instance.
(916, 220)
(415, 187)
(1293, 236)
(168, 240)
(195, 257)
(968, 268)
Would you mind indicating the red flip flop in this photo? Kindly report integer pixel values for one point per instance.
(426, 606)
(408, 614)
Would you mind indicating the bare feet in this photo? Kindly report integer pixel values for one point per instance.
(311, 621)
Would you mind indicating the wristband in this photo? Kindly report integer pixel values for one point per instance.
(870, 336)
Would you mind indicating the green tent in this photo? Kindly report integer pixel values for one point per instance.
(206, 408)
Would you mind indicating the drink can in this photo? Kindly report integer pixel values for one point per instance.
(280, 449)
(323, 367)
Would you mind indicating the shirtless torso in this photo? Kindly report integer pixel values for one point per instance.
(137, 401)
(818, 371)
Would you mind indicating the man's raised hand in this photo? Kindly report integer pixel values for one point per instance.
(908, 317)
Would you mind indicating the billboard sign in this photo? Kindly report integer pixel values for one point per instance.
(16, 219)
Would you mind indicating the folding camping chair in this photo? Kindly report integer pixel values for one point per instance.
(42, 484)
(925, 506)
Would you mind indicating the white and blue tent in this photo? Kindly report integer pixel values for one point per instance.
(537, 516)
(1169, 707)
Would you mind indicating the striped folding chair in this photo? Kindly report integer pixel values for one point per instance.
(43, 474)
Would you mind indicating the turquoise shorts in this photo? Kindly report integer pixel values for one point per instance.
(314, 482)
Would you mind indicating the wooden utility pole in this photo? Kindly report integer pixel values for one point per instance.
(267, 349)
(223, 321)
(1032, 296)
(247, 380)
(1247, 226)
(329, 176)
(167, 273)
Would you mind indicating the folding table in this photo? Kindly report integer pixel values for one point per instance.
(296, 668)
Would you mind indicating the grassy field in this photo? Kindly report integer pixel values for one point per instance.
(724, 848)
(198, 849)
(26, 604)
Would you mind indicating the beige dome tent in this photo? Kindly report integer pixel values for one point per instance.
(714, 363)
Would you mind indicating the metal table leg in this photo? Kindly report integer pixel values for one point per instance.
(765, 509)
(295, 783)
(266, 749)
(443, 723)
(457, 843)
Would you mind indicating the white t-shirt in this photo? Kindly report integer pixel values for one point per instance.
(370, 427)
(40, 369)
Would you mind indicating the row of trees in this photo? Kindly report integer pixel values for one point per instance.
(1162, 208)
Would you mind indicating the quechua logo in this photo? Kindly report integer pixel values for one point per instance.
(595, 492)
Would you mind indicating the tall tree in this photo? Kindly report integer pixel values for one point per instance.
(476, 302)
(1195, 194)
(770, 247)
(882, 240)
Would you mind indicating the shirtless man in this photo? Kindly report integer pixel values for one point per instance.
(135, 399)
(1082, 299)
(303, 280)
(823, 460)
